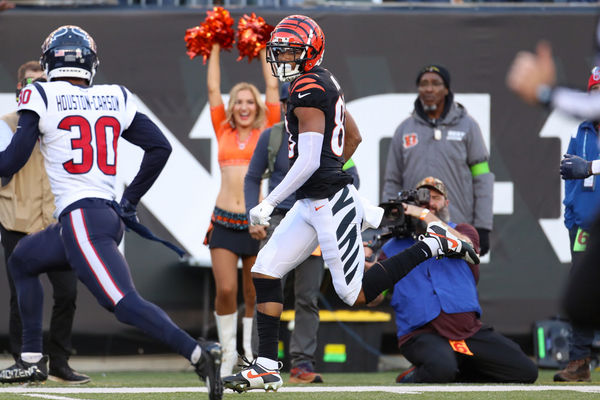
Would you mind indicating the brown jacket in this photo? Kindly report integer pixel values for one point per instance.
(26, 202)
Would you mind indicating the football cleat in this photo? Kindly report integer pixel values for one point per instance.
(450, 245)
(209, 368)
(254, 376)
(24, 372)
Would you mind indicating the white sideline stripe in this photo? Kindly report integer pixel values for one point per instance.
(50, 397)
(94, 262)
(403, 389)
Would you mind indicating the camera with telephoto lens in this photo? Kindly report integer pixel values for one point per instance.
(395, 223)
(394, 220)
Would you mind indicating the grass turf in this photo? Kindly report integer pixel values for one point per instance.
(189, 379)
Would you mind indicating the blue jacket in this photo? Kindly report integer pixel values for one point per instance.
(581, 204)
(434, 285)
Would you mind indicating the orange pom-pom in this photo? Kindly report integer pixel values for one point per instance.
(217, 27)
(252, 35)
(199, 42)
(220, 23)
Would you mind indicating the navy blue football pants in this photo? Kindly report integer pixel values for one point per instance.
(87, 238)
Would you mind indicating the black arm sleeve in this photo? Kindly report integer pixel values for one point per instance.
(21, 145)
(144, 133)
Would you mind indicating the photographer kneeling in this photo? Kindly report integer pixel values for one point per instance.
(438, 311)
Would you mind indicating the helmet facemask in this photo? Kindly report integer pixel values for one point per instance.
(286, 70)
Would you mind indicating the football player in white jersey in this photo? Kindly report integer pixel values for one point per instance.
(328, 210)
(78, 126)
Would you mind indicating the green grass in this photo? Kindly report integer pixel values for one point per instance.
(188, 379)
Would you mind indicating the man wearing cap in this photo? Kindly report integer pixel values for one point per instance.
(440, 138)
(273, 163)
(582, 198)
(438, 313)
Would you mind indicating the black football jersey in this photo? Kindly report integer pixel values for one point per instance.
(319, 89)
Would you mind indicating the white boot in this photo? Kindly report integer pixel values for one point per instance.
(247, 325)
(227, 329)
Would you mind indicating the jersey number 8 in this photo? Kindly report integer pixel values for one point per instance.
(338, 133)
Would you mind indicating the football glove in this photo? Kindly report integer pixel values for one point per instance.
(128, 211)
(575, 167)
(261, 214)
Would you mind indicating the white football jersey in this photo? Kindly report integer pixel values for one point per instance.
(80, 129)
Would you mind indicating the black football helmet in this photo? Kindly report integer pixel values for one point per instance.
(69, 52)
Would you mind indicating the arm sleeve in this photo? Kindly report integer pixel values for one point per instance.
(483, 179)
(310, 145)
(575, 102)
(258, 164)
(144, 133)
(393, 168)
(23, 141)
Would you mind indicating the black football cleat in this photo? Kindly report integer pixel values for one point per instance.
(254, 376)
(209, 368)
(450, 245)
(24, 372)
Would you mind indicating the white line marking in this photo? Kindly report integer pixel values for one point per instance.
(401, 389)
(50, 397)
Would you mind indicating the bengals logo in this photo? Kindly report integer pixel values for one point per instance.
(410, 140)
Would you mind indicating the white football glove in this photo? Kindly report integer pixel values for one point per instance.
(261, 214)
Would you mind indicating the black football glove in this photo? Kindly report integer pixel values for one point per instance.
(575, 167)
(484, 241)
(128, 211)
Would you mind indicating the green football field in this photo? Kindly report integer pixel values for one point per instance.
(380, 385)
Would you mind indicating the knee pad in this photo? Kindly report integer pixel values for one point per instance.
(268, 290)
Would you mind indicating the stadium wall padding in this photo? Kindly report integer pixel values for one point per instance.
(371, 53)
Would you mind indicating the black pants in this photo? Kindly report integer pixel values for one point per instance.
(494, 359)
(580, 345)
(582, 297)
(64, 284)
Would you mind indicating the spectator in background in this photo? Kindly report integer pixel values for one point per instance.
(582, 199)
(26, 206)
(532, 76)
(237, 129)
(441, 139)
(437, 312)
(270, 160)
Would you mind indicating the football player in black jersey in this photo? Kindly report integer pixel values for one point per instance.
(328, 211)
